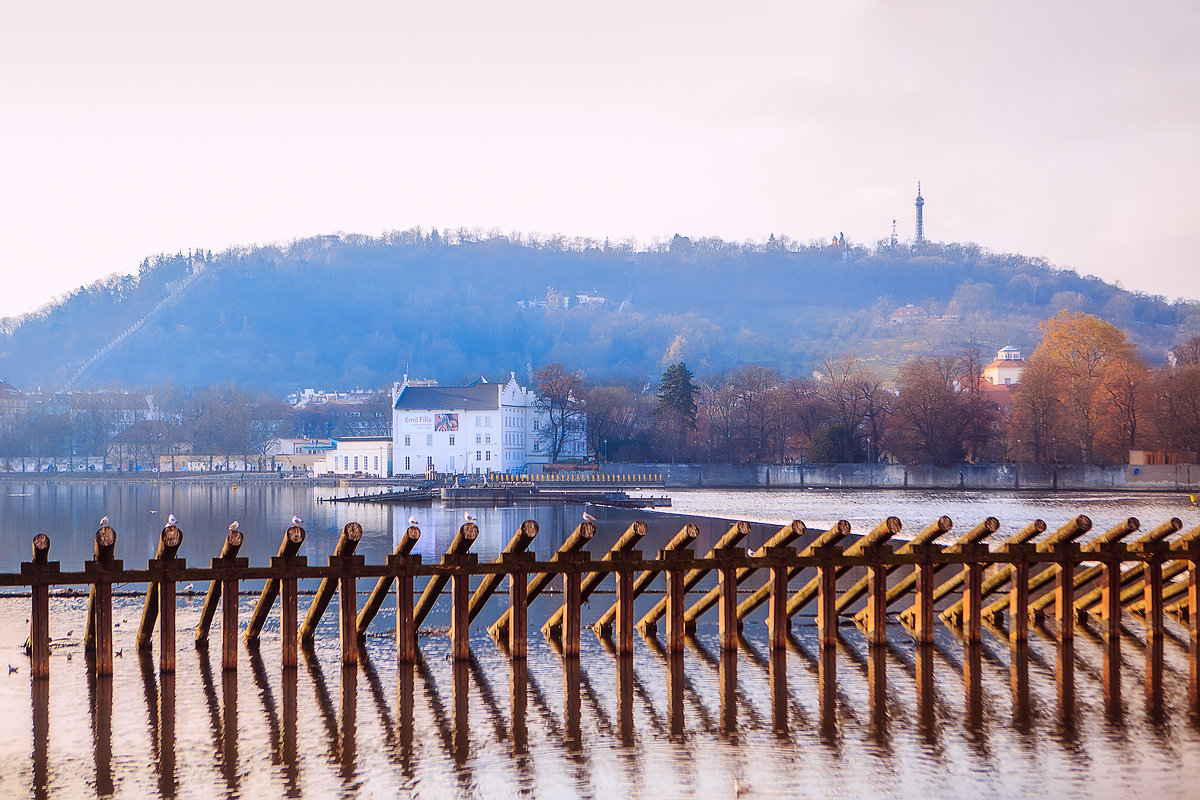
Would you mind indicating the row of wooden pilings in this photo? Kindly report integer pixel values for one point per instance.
(1042, 572)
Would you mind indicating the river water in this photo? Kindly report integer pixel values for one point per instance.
(947, 721)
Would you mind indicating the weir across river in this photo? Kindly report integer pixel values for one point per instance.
(976, 582)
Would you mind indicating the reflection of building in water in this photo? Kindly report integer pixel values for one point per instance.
(474, 429)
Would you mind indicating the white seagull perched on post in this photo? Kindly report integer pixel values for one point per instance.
(233, 526)
(171, 520)
(588, 517)
(296, 521)
(412, 522)
(104, 522)
(467, 516)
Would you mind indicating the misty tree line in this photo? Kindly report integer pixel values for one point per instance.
(1085, 396)
(222, 423)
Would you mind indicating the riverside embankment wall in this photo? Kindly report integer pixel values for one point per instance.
(1177, 477)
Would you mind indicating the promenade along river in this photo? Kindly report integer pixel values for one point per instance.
(946, 721)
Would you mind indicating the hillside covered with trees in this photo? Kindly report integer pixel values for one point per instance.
(347, 310)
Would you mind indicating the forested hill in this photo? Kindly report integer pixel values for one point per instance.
(344, 311)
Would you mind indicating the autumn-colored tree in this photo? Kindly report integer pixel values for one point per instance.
(939, 415)
(1175, 401)
(1081, 387)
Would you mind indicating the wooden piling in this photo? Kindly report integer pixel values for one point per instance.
(676, 597)
(882, 532)
(293, 537)
(166, 613)
(406, 630)
(928, 549)
(972, 595)
(518, 589)
(519, 543)
(628, 540)
(1018, 593)
(348, 540)
(1068, 532)
(923, 603)
(38, 570)
(624, 604)
(1065, 555)
(877, 604)
(1023, 536)
(168, 545)
(572, 606)
(687, 534)
(1152, 569)
(1132, 579)
(378, 595)
(460, 596)
(726, 589)
(102, 567)
(229, 623)
(827, 619)
(102, 554)
(214, 595)
(779, 624)
(927, 535)
(461, 543)
(829, 538)
(1101, 544)
(781, 538)
(731, 538)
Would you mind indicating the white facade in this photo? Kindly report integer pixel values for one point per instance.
(369, 455)
(1007, 368)
(485, 427)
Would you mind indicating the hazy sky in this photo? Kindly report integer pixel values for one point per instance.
(1067, 130)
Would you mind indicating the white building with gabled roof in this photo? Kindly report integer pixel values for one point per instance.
(1007, 367)
(475, 429)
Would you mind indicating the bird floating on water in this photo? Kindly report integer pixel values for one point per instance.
(233, 526)
(467, 516)
(171, 520)
(118, 653)
(296, 521)
(588, 517)
(11, 669)
(412, 522)
(104, 522)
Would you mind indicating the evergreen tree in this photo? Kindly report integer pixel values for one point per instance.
(677, 393)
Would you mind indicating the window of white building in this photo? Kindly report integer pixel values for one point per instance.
(429, 440)
(408, 441)
(452, 440)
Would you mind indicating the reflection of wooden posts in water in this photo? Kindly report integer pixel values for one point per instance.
(731, 538)
(168, 545)
(283, 563)
(344, 585)
(38, 570)
(628, 540)
(461, 543)
(578, 540)
(224, 591)
(379, 594)
(687, 534)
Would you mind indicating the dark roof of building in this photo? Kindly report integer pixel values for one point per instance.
(481, 397)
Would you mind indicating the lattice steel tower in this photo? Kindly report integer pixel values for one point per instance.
(920, 216)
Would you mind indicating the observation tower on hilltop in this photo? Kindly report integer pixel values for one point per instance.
(920, 216)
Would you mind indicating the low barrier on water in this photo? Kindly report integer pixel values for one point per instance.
(1032, 576)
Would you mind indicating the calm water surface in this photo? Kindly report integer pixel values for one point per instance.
(947, 721)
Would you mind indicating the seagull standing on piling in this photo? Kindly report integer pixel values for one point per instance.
(104, 522)
(233, 526)
(588, 517)
(171, 520)
(467, 516)
(412, 522)
(296, 521)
